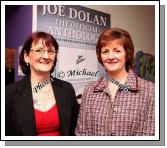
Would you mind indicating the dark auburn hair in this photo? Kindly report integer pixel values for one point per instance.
(48, 40)
(124, 38)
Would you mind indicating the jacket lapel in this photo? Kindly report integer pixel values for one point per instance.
(24, 108)
(60, 100)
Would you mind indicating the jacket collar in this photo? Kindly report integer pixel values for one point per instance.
(60, 97)
(131, 82)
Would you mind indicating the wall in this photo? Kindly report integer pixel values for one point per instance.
(138, 20)
(18, 25)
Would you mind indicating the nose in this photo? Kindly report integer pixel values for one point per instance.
(110, 55)
(45, 54)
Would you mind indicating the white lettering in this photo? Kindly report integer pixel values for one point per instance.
(88, 18)
(72, 13)
(53, 9)
(85, 16)
(103, 21)
(82, 16)
(96, 20)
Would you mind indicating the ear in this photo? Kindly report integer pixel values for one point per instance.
(26, 57)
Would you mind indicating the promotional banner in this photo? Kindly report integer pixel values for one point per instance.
(76, 29)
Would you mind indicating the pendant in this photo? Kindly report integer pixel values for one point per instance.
(125, 88)
(36, 102)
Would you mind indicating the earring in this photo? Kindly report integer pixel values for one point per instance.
(27, 64)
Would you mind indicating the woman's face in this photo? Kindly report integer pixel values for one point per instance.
(40, 57)
(113, 57)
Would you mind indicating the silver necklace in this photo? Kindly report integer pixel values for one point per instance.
(36, 102)
(38, 86)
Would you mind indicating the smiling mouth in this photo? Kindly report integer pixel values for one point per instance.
(112, 62)
(44, 62)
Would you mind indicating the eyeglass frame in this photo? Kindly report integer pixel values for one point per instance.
(43, 51)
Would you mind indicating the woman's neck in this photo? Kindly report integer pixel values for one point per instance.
(35, 78)
(119, 76)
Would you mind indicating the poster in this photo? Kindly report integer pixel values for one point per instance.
(76, 29)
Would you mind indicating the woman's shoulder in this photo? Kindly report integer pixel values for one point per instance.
(17, 84)
(145, 84)
(61, 83)
(16, 87)
(93, 84)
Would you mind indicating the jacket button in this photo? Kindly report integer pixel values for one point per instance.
(115, 109)
(113, 134)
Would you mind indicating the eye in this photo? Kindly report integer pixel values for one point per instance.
(117, 50)
(39, 50)
(51, 51)
(105, 51)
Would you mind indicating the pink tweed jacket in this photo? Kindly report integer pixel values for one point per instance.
(130, 113)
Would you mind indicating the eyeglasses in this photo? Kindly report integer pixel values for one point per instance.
(41, 51)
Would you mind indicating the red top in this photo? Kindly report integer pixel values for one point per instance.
(47, 123)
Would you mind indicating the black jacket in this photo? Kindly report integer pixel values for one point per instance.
(19, 110)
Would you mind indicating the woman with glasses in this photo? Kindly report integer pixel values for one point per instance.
(39, 105)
